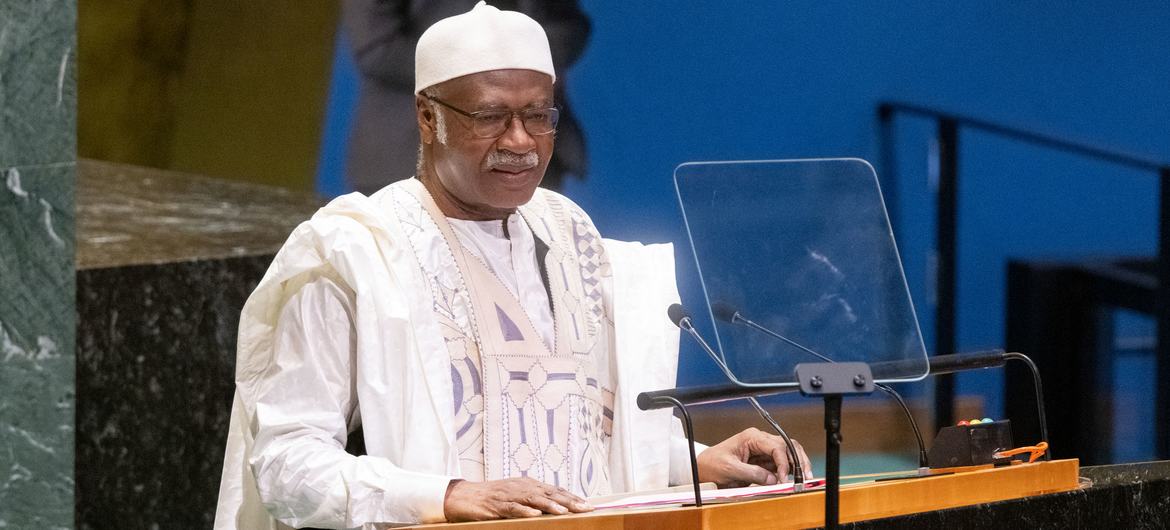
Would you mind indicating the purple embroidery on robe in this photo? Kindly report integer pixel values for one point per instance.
(550, 419)
(523, 431)
(475, 383)
(457, 386)
(509, 328)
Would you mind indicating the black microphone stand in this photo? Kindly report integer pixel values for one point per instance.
(832, 382)
(660, 401)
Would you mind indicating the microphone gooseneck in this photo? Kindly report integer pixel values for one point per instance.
(923, 461)
(1039, 395)
(682, 318)
(729, 314)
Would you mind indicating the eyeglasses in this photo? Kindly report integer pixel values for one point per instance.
(492, 123)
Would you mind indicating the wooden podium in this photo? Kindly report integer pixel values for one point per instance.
(870, 500)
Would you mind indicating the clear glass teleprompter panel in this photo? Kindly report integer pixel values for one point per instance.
(803, 248)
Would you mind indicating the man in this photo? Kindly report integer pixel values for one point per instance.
(488, 342)
(383, 34)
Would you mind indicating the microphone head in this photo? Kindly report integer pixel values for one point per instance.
(724, 311)
(677, 313)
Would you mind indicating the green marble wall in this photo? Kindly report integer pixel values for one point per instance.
(37, 164)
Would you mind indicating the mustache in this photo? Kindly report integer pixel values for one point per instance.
(511, 160)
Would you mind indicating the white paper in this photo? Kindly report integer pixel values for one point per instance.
(688, 496)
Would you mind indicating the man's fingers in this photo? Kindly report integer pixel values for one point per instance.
(763, 461)
(744, 472)
(546, 505)
(555, 491)
(570, 501)
(551, 499)
(769, 445)
(751, 456)
(515, 509)
(778, 450)
(783, 466)
(508, 498)
(805, 463)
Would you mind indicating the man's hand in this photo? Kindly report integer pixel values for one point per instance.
(750, 457)
(508, 498)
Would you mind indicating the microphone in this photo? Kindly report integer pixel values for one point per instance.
(678, 314)
(962, 362)
(729, 314)
(705, 395)
(682, 318)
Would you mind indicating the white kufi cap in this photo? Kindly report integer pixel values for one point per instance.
(480, 40)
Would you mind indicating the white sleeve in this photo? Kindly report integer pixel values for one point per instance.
(680, 456)
(303, 474)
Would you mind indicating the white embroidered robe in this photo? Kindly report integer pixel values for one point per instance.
(294, 407)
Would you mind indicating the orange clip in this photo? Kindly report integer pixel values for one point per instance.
(1036, 450)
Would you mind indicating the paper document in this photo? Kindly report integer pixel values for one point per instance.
(687, 496)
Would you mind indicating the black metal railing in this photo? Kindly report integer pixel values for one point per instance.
(948, 134)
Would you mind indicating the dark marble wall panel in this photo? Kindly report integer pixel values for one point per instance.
(155, 372)
(36, 347)
(37, 155)
(1120, 496)
(165, 263)
(38, 94)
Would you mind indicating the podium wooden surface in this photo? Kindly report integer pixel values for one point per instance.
(859, 502)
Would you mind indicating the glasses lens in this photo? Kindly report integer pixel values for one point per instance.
(541, 121)
(490, 123)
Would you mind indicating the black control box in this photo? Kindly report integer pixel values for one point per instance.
(969, 445)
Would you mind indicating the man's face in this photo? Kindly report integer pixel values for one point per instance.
(487, 177)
